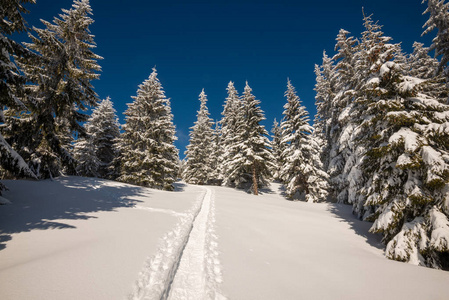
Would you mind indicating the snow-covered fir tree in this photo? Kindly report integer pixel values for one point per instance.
(341, 102)
(407, 167)
(302, 171)
(11, 83)
(438, 12)
(374, 51)
(216, 155)
(148, 156)
(198, 169)
(395, 160)
(181, 167)
(324, 95)
(322, 116)
(231, 118)
(102, 131)
(317, 179)
(252, 160)
(277, 148)
(420, 64)
(85, 153)
(61, 73)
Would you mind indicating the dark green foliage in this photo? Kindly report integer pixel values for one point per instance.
(60, 73)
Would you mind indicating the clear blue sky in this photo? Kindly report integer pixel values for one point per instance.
(205, 44)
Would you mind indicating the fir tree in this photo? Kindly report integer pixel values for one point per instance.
(147, 152)
(252, 159)
(11, 82)
(198, 169)
(277, 148)
(85, 153)
(317, 179)
(96, 152)
(61, 73)
(438, 12)
(374, 51)
(322, 116)
(420, 63)
(325, 92)
(342, 103)
(215, 157)
(104, 130)
(300, 173)
(406, 168)
(231, 118)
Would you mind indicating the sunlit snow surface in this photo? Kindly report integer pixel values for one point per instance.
(80, 238)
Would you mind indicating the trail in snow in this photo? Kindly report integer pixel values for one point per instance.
(186, 265)
(199, 268)
(161, 210)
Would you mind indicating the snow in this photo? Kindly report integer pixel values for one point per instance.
(409, 83)
(81, 238)
(387, 67)
(436, 163)
(440, 233)
(345, 113)
(385, 218)
(86, 238)
(410, 139)
(277, 249)
(190, 280)
(403, 245)
(403, 160)
(373, 81)
(424, 102)
(442, 116)
(443, 128)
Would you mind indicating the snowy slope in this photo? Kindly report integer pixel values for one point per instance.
(83, 238)
(277, 249)
(80, 238)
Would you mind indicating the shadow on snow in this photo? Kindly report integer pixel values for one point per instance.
(344, 213)
(42, 205)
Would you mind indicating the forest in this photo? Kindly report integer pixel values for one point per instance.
(379, 141)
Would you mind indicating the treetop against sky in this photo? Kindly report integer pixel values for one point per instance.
(206, 44)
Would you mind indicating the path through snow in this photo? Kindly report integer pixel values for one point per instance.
(186, 265)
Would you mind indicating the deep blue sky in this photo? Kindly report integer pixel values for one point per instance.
(205, 44)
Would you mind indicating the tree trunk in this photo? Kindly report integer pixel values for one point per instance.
(255, 180)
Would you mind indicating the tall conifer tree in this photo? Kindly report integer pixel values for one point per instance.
(96, 152)
(252, 159)
(215, 157)
(148, 155)
(407, 174)
(277, 148)
(231, 117)
(198, 169)
(420, 64)
(438, 12)
(61, 75)
(374, 51)
(342, 102)
(302, 169)
(11, 83)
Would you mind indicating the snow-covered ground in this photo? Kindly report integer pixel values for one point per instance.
(79, 238)
(83, 238)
